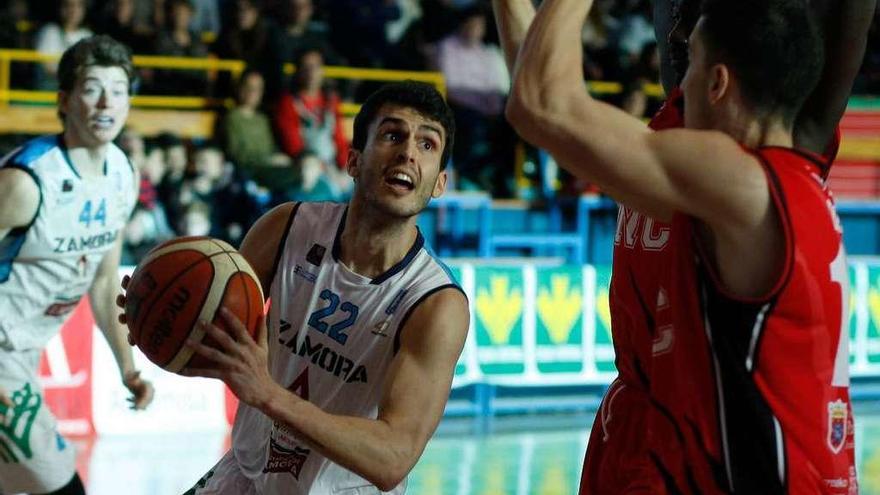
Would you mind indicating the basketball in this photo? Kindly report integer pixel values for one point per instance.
(181, 282)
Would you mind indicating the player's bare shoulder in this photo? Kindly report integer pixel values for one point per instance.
(19, 198)
(262, 242)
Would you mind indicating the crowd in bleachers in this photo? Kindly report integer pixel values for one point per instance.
(285, 137)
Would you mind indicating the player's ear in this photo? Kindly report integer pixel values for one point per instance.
(352, 163)
(440, 184)
(719, 82)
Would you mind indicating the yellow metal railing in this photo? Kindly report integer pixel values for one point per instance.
(233, 67)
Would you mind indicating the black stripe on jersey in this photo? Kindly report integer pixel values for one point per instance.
(749, 432)
(337, 239)
(676, 427)
(649, 318)
(282, 242)
(414, 305)
(410, 255)
(63, 147)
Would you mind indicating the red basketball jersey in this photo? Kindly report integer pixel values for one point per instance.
(752, 395)
(617, 454)
(639, 244)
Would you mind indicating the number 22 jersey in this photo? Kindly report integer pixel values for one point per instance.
(332, 337)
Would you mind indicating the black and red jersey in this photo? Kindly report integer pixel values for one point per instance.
(751, 395)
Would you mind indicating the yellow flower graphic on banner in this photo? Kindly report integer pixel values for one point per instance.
(603, 309)
(874, 306)
(554, 481)
(559, 308)
(499, 308)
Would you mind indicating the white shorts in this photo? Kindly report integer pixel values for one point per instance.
(225, 478)
(34, 457)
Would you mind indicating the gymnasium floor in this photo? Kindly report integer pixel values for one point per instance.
(538, 455)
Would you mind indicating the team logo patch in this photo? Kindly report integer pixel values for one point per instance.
(837, 413)
(316, 254)
(67, 185)
(299, 270)
(282, 460)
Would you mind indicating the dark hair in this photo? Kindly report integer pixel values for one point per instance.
(772, 46)
(421, 97)
(101, 51)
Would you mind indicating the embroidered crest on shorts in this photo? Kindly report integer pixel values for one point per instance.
(837, 413)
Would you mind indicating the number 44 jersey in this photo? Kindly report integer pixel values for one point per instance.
(332, 337)
(46, 266)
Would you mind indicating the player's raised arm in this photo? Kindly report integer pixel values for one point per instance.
(845, 24)
(513, 18)
(663, 21)
(656, 173)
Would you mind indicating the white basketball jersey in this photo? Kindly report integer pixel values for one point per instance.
(47, 266)
(332, 337)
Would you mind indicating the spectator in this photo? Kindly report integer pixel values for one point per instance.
(359, 29)
(309, 117)
(117, 21)
(477, 84)
(248, 140)
(635, 31)
(17, 31)
(302, 32)
(174, 156)
(57, 36)
(148, 225)
(255, 40)
(206, 19)
(313, 183)
(177, 40)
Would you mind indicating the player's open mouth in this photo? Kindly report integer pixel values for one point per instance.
(400, 181)
(103, 122)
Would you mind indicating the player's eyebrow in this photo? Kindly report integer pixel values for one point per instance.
(422, 127)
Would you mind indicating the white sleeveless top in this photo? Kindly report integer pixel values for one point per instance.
(47, 266)
(332, 337)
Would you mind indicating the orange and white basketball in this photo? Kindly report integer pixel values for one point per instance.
(178, 284)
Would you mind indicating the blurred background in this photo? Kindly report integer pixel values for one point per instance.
(245, 104)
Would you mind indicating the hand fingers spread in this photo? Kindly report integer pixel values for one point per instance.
(235, 325)
(211, 353)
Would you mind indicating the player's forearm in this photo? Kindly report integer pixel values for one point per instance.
(662, 27)
(513, 18)
(102, 297)
(548, 71)
(845, 25)
(371, 448)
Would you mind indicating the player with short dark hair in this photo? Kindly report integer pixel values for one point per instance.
(725, 220)
(365, 324)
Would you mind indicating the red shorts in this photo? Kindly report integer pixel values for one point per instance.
(617, 459)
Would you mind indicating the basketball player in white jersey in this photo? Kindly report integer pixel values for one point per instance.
(344, 389)
(63, 202)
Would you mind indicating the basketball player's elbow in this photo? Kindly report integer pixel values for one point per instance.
(526, 113)
(393, 469)
(535, 111)
(393, 473)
